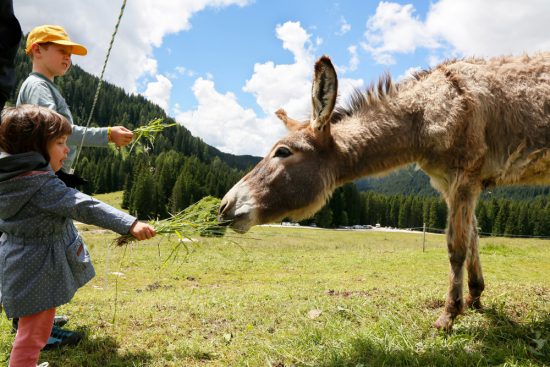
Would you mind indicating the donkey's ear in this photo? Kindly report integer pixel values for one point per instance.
(290, 123)
(323, 92)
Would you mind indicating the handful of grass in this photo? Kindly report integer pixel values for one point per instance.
(149, 131)
(199, 219)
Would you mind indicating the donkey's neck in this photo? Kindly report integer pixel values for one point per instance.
(374, 142)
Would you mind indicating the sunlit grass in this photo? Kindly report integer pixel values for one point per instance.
(248, 301)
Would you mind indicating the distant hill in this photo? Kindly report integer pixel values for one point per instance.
(406, 181)
(412, 181)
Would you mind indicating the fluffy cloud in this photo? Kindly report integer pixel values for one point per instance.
(454, 28)
(345, 27)
(285, 85)
(353, 61)
(346, 86)
(221, 121)
(159, 92)
(395, 29)
(143, 26)
(494, 27)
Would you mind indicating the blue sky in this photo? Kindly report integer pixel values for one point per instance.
(222, 67)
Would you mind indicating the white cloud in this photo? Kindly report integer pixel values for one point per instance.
(394, 29)
(353, 61)
(182, 70)
(285, 85)
(159, 92)
(458, 28)
(220, 121)
(491, 27)
(345, 27)
(143, 26)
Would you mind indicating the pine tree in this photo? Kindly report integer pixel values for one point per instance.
(323, 218)
(483, 220)
(143, 195)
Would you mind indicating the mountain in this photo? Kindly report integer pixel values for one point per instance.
(413, 181)
(406, 181)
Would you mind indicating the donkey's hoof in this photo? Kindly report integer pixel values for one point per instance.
(444, 322)
(473, 302)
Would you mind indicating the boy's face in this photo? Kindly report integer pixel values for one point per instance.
(52, 59)
(58, 151)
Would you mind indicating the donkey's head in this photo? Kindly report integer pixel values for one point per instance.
(294, 180)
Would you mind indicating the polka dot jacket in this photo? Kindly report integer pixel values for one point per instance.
(43, 260)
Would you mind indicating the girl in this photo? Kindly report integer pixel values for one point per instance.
(43, 260)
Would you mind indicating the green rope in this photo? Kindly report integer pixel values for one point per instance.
(98, 86)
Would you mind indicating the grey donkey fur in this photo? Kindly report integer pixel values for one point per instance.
(469, 124)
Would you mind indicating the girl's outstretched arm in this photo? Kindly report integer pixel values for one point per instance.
(57, 198)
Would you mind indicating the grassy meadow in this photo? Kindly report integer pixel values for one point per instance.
(281, 297)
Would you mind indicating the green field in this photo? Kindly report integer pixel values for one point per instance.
(303, 297)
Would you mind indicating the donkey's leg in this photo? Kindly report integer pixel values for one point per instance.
(461, 205)
(476, 283)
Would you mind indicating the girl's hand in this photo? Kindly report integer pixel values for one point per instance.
(142, 231)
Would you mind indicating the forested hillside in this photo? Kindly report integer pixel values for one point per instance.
(412, 181)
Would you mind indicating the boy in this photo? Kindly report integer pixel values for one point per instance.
(50, 50)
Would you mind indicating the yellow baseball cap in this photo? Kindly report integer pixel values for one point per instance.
(54, 34)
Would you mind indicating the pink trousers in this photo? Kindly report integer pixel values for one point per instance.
(32, 335)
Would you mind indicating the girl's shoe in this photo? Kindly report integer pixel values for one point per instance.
(61, 337)
(60, 320)
(44, 364)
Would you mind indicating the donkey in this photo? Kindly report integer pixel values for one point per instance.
(469, 124)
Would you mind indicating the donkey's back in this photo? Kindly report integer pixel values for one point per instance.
(498, 118)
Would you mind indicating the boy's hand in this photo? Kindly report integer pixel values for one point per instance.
(121, 136)
(142, 231)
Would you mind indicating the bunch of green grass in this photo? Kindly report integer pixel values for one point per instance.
(199, 219)
(149, 131)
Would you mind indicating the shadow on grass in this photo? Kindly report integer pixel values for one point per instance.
(103, 351)
(504, 341)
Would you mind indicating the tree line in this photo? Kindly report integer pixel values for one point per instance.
(495, 216)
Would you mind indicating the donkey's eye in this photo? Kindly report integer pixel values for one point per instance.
(282, 152)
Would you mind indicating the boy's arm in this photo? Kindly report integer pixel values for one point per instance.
(59, 199)
(39, 93)
(95, 136)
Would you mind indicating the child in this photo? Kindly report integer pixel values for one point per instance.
(43, 260)
(50, 50)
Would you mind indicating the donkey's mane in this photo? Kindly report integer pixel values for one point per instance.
(379, 93)
(376, 95)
